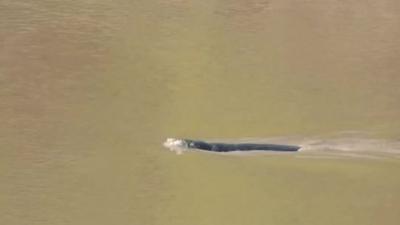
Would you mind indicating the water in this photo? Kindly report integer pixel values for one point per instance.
(337, 146)
(89, 90)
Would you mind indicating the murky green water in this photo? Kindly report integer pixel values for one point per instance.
(90, 89)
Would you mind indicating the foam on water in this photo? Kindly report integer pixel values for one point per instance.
(176, 145)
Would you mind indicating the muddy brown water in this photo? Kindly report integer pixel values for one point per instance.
(90, 89)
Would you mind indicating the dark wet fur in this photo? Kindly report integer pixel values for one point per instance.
(225, 147)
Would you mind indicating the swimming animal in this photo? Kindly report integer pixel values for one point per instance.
(179, 145)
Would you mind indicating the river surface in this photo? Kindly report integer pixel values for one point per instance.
(89, 90)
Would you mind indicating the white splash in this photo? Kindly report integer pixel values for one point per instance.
(176, 145)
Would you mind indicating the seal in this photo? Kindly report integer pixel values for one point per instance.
(179, 145)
